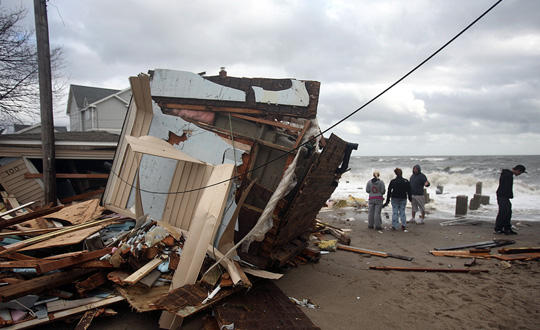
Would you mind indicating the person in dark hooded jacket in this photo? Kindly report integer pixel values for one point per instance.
(418, 182)
(399, 190)
(504, 194)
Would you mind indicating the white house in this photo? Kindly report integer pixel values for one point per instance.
(97, 109)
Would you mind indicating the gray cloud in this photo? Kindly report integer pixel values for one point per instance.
(478, 96)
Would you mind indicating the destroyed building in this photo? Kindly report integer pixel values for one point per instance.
(235, 169)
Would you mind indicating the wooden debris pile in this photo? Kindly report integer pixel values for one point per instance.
(80, 269)
(220, 179)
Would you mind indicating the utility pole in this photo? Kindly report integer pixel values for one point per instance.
(45, 95)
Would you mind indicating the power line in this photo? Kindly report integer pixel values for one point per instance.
(334, 125)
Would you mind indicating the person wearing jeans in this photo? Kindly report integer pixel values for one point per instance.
(375, 188)
(399, 190)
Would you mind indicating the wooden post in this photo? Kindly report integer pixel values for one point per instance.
(45, 93)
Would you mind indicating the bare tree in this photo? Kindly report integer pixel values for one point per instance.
(19, 81)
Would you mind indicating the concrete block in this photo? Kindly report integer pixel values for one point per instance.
(475, 202)
(461, 204)
(484, 200)
(439, 190)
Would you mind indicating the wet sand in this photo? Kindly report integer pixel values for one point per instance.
(351, 296)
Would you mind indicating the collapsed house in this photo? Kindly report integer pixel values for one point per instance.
(232, 168)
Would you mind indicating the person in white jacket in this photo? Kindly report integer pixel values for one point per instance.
(376, 189)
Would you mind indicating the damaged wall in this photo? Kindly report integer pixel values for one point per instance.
(219, 119)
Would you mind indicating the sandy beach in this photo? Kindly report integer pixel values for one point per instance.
(351, 296)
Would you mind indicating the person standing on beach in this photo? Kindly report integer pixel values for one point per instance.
(399, 190)
(504, 194)
(418, 182)
(376, 189)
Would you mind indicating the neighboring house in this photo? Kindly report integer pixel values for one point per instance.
(97, 109)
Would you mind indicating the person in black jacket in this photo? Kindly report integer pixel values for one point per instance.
(399, 191)
(504, 194)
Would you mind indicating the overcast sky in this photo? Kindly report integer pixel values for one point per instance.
(479, 96)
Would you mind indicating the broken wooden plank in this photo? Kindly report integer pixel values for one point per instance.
(30, 263)
(519, 250)
(29, 216)
(87, 318)
(92, 282)
(40, 284)
(17, 256)
(371, 252)
(469, 254)
(419, 269)
(70, 261)
(145, 270)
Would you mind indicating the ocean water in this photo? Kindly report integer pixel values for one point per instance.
(458, 175)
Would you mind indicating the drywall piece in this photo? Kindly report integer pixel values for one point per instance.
(296, 95)
(172, 83)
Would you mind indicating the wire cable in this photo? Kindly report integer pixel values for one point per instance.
(334, 125)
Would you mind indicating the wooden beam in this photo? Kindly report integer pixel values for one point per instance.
(29, 263)
(144, 270)
(418, 269)
(268, 122)
(210, 108)
(82, 196)
(39, 284)
(70, 261)
(360, 250)
(69, 176)
(371, 252)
